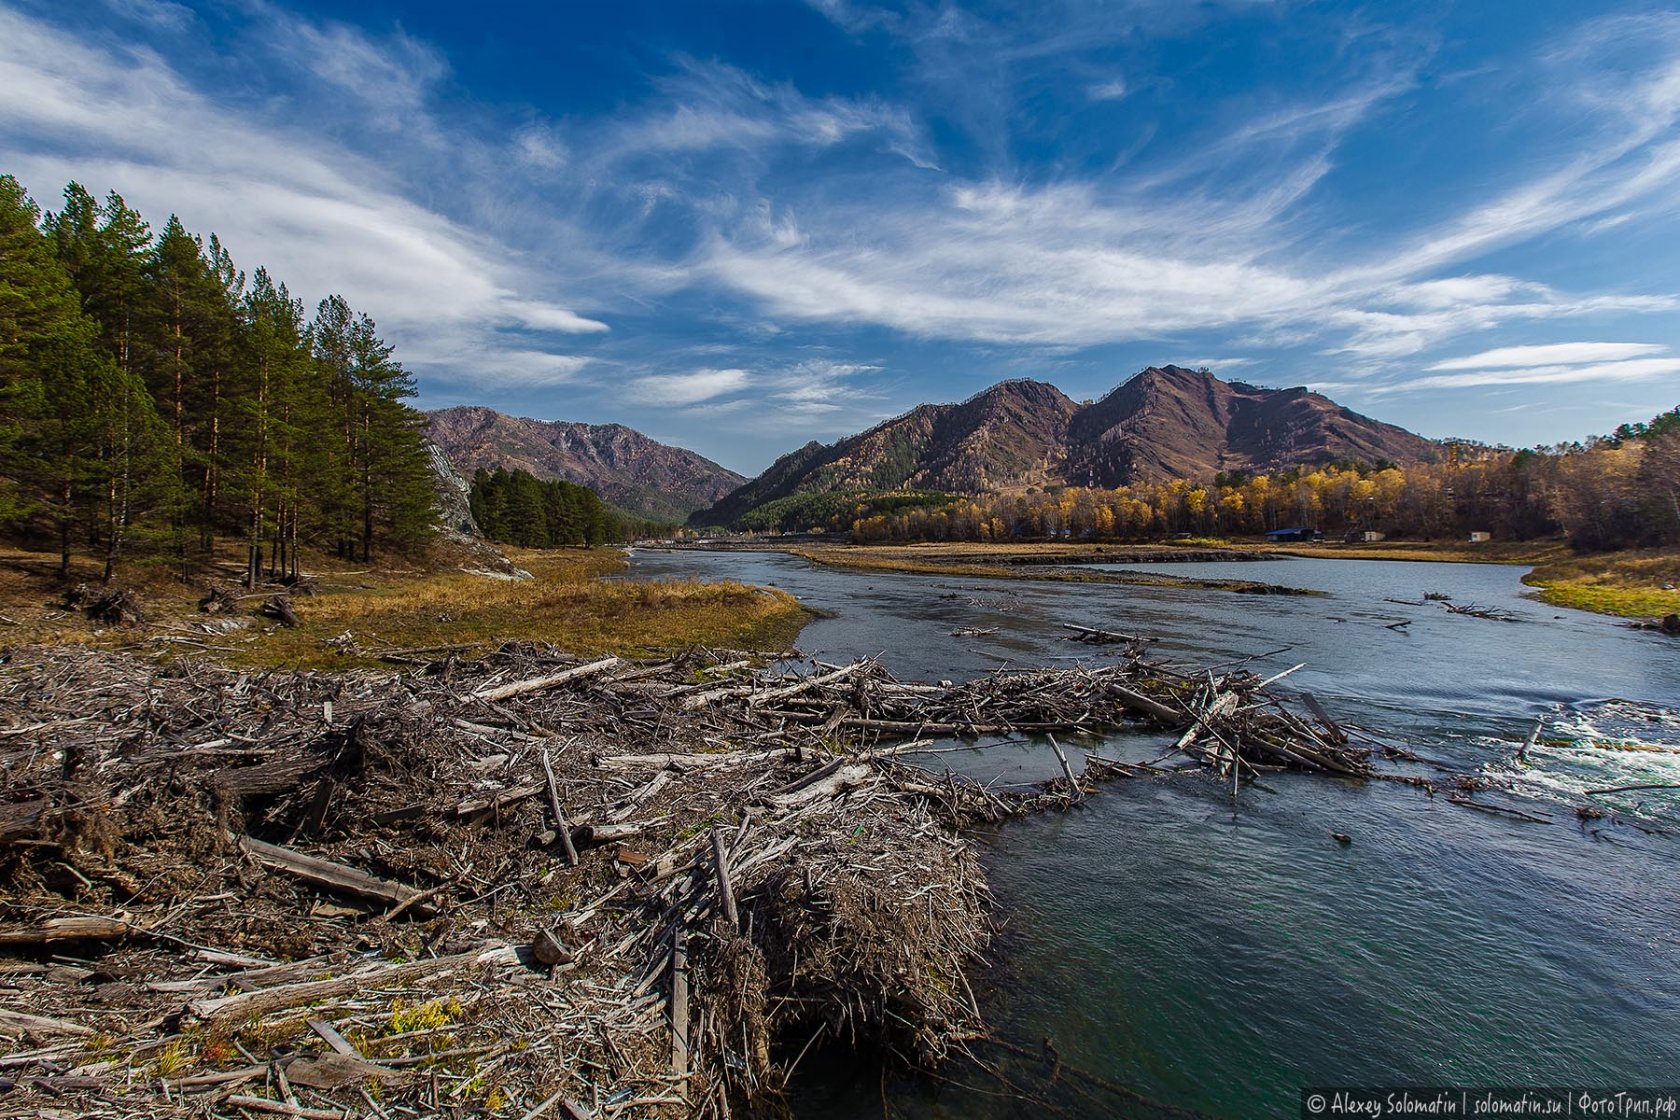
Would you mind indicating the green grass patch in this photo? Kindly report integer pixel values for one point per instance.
(1636, 584)
(1626, 602)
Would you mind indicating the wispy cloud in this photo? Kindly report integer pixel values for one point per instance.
(1184, 250)
(1637, 369)
(818, 386)
(393, 75)
(706, 106)
(1557, 353)
(323, 218)
(548, 317)
(525, 368)
(676, 390)
(158, 13)
(1025, 186)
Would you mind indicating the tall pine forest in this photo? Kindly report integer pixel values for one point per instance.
(155, 400)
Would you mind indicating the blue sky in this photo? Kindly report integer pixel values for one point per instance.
(741, 226)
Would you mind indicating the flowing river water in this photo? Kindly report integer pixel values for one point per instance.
(1184, 956)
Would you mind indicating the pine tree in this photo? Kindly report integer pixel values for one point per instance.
(145, 393)
(274, 378)
(106, 414)
(394, 495)
(47, 354)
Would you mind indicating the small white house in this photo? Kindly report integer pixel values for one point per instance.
(1371, 535)
(1479, 535)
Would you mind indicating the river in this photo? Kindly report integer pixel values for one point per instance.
(1187, 956)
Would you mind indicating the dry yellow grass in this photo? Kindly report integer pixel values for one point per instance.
(567, 603)
(572, 602)
(1630, 584)
(1456, 552)
(969, 561)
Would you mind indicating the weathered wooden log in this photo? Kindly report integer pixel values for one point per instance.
(263, 1000)
(759, 699)
(519, 688)
(1067, 771)
(497, 799)
(637, 799)
(1223, 705)
(336, 1071)
(720, 760)
(594, 835)
(251, 978)
(1104, 637)
(18, 1023)
(726, 890)
(679, 1003)
(701, 699)
(287, 1108)
(561, 827)
(280, 776)
(1138, 702)
(326, 873)
(71, 929)
(22, 819)
(329, 1034)
(572, 1109)
(846, 777)
(279, 607)
(1323, 717)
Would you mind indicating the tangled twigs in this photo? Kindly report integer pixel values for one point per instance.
(525, 875)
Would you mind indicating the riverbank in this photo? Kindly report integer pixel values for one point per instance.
(1640, 584)
(354, 616)
(1048, 563)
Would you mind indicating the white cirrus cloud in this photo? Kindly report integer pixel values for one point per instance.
(1636, 369)
(674, 390)
(321, 216)
(1557, 353)
(548, 317)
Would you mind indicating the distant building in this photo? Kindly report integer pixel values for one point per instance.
(1278, 536)
(1370, 535)
(1480, 535)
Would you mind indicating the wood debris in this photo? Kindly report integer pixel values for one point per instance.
(215, 876)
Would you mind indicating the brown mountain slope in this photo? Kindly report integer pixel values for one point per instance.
(633, 472)
(1172, 422)
(1012, 434)
(1167, 422)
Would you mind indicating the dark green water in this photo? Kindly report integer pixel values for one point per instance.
(1215, 960)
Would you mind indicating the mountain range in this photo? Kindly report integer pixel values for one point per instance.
(638, 475)
(1165, 422)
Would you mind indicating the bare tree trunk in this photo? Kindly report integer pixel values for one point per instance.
(64, 529)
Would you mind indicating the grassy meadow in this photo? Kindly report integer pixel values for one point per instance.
(573, 601)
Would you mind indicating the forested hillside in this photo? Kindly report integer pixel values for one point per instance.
(1613, 492)
(155, 399)
(518, 508)
(641, 476)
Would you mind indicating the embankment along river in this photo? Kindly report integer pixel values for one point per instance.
(1182, 955)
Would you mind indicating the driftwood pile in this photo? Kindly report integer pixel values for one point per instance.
(519, 886)
(112, 606)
